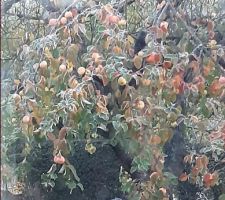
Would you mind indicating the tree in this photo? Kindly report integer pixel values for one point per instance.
(161, 103)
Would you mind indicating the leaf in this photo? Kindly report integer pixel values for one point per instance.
(86, 101)
(51, 136)
(222, 197)
(171, 178)
(51, 183)
(73, 170)
(71, 185)
(80, 186)
(62, 133)
(116, 125)
(55, 53)
(82, 28)
(103, 127)
(124, 127)
(210, 25)
(52, 169)
(62, 169)
(130, 39)
(138, 61)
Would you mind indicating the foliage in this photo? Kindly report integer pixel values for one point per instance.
(82, 77)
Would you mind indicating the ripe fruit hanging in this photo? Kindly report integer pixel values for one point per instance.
(63, 20)
(26, 119)
(153, 58)
(43, 64)
(53, 22)
(114, 19)
(81, 71)
(62, 68)
(167, 64)
(59, 159)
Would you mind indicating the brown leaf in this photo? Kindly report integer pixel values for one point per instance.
(154, 139)
(138, 61)
(51, 136)
(62, 133)
(210, 25)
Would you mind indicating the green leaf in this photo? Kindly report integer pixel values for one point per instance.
(51, 183)
(80, 186)
(171, 179)
(71, 185)
(55, 53)
(124, 127)
(73, 170)
(116, 126)
(53, 176)
(222, 197)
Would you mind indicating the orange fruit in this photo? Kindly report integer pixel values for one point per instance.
(68, 14)
(59, 159)
(62, 68)
(222, 80)
(74, 12)
(53, 22)
(63, 20)
(113, 19)
(153, 58)
(183, 177)
(167, 64)
(26, 119)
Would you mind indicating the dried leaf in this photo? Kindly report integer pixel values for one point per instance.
(138, 61)
(62, 133)
(51, 136)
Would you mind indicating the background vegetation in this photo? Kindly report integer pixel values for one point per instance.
(138, 85)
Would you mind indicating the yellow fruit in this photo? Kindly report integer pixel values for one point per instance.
(81, 71)
(43, 64)
(122, 81)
